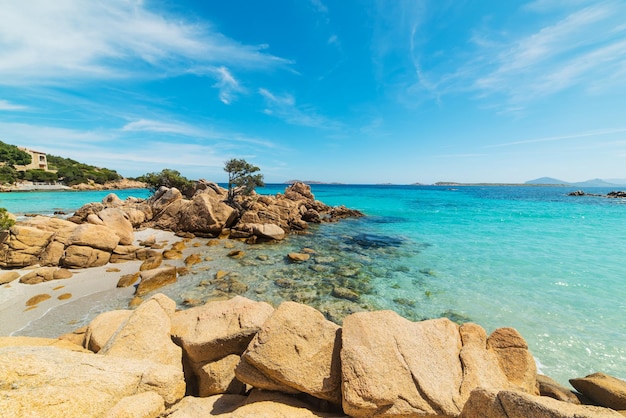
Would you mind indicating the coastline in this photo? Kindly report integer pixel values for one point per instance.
(83, 283)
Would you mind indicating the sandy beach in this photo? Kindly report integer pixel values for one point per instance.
(15, 314)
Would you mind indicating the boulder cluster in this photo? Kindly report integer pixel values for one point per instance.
(241, 358)
(99, 233)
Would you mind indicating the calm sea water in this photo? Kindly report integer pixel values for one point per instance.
(550, 265)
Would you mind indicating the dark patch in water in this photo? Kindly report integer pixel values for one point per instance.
(375, 241)
(456, 317)
(385, 219)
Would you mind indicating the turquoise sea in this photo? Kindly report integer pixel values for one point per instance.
(550, 265)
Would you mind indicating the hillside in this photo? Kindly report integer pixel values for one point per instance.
(586, 183)
(60, 170)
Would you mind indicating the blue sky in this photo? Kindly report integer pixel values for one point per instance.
(349, 91)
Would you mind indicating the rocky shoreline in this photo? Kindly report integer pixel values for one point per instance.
(237, 357)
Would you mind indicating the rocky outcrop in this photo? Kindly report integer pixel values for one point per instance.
(103, 232)
(51, 381)
(244, 359)
(514, 404)
(435, 365)
(297, 347)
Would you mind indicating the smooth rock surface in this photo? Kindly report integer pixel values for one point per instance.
(602, 389)
(146, 334)
(299, 348)
(54, 382)
(214, 330)
(511, 404)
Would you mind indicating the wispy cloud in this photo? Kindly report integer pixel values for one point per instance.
(146, 125)
(228, 86)
(66, 41)
(577, 44)
(575, 50)
(285, 107)
(8, 106)
(586, 134)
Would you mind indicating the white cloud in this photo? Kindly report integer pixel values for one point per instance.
(146, 125)
(583, 50)
(6, 105)
(227, 84)
(586, 134)
(285, 107)
(71, 40)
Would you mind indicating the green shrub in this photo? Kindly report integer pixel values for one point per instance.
(168, 178)
(6, 221)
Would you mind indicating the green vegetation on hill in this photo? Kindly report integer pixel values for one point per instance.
(71, 172)
(12, 155)
(64, 170)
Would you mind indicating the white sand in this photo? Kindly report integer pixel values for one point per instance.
(15, 315)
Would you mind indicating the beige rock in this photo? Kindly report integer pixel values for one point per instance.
(263, 403)
(60, 228)
(79, 256)
(163, 198)
(112, 200)
(75, 337)
(94, 219)
(299, 348)
(146, 334)
(40, 342)
(154, 279)
(192, 260)
(515, 360)
(151, 263)
(8, 276)
(391, 365)
(255, 378)
(217, 329)
(479, 365)
(512, 404)
(206, 214)
(128, 280)
(102, 328)
(52, 254)
(136, 216)
(298, 257)
(23, 246)
(602, 389)
(45, 274)
(259, 404)
(218, 377)
(551, 388)
(218, 405)
(172, 255)
(142, 405)
(169, 217)
(268, 231)
(54, 382)
(95, 236)
(117, 220)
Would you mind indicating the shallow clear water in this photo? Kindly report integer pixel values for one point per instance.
(533, 258)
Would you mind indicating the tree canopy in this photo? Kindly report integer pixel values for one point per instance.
(241, 177)
(168, 178)
(12, 155)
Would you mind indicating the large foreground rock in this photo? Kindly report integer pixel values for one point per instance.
(146, 334)
(217, 329)
(512, 404)
(394, 367)
(259, 404)
(299, 348)
(54, 382)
